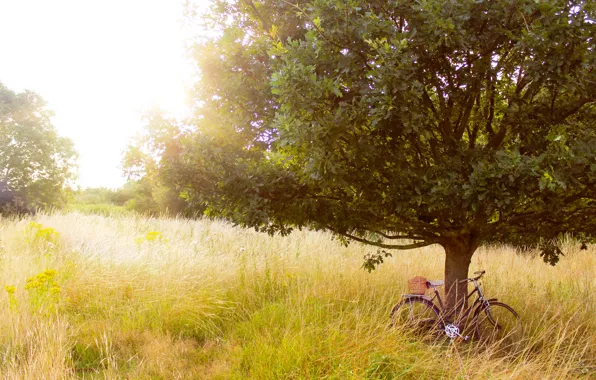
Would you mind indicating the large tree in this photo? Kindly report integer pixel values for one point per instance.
(398, 124)
(35, 162)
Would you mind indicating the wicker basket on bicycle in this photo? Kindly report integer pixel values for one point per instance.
(417, 285)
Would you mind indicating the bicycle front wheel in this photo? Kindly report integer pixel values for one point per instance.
(416, 314)
(498, 322)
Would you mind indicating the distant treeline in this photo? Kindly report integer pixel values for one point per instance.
(135, 196)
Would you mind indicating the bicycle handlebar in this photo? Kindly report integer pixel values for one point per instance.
(479, 273)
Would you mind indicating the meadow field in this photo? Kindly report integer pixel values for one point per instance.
(128, 297)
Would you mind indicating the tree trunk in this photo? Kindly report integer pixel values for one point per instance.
(458, 254)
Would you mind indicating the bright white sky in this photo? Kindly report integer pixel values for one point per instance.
(99, 65)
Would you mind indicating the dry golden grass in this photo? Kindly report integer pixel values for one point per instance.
(205, 300)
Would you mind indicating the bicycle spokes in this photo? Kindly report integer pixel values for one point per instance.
(416, 315)
(498, 322)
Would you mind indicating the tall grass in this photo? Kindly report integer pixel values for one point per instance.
(201, 299)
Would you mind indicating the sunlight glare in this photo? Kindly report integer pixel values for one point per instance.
(99, 65)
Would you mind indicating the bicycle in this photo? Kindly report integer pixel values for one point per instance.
(488, 316)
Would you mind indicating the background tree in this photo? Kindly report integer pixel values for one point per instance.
(34, 161)
(398, 124)
(146, 190)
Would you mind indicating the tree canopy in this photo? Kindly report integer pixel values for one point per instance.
(398, 124)
(35, 162)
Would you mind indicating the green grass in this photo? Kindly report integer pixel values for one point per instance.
(212, 301)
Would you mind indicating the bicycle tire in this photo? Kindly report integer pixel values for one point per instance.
(497, 322)
(417, 314)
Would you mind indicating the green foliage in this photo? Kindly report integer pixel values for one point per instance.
(142, 166)
(372, 260)
(137, 196)
(35, 162)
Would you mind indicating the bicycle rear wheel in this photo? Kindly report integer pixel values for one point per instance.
(498, 322)
(416, 314)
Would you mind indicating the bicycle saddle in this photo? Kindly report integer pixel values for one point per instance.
(435, 283)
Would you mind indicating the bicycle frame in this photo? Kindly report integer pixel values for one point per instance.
(446, 316)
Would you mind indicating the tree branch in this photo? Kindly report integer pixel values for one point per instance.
(564, 114)
(394, 237)
(421, 244)
(429, 103)
(265, 23)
